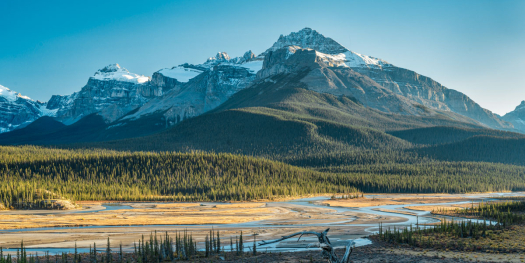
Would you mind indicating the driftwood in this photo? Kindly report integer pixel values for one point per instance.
(323, 243)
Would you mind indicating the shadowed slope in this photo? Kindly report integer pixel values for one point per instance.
(440, 135)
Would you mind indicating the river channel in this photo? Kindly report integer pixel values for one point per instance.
(344, 227)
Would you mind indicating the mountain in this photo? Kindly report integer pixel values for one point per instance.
(130, 105)
(415, 88)
(517, 117)
(280, 117)
(17, 111)
(303, 77)
(89, 128)
(489, 149)
(111, 92)
(205, 87)
(39, 128)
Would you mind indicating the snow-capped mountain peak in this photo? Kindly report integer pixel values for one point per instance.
(17, 110)
(249, 60)
(327, 49)
(220, 57)
(10, 95)
(308, 38)
(112, 68)
(118, 73)
(249, 55)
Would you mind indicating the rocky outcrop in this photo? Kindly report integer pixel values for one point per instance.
(58, 101)
(64, 205)
(308, 38)
(164, 83)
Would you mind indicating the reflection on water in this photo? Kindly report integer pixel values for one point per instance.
(110, 207)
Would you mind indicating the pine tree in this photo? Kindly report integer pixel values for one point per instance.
(218, 242)
(241, 244)
(254, 245)
(108, 253)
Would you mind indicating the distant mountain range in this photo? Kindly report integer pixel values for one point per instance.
(305, 85)
(17, 111)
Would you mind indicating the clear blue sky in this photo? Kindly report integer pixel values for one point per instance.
(53, 47)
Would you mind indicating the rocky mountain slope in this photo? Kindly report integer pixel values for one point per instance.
(406, 83)
(17, 111)
(111, 92)
(517, 117)
(206, 86)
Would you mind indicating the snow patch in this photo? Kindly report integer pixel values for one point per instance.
(352, 59)
(10, 95)
(115, 125)
(48, 112)
(253, 66)
(179, 73)
(117, 73)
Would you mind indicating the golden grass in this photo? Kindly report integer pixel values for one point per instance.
(165, 214)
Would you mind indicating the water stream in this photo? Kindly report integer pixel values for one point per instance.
(415, 217)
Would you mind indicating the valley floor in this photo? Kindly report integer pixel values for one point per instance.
(347, 219)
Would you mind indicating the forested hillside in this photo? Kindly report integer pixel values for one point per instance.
(135, 176)
(284, 121)
(447, 134)
(109, 175)
(480, 149)
(259, 131)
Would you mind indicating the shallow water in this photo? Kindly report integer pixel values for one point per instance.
(421, 217)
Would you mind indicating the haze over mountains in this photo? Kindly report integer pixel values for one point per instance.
(305, 80)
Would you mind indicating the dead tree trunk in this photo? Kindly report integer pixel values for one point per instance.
(323, 243)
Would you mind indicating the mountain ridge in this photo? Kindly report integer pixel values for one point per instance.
(174, 94)
(517, 116)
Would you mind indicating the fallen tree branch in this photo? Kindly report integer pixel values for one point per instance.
(323, 243)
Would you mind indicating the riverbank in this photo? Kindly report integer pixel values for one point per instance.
(269, 220)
